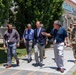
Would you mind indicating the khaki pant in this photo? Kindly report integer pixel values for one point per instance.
(74, 50)
(29, 45)
(59, 54)
(39, 48)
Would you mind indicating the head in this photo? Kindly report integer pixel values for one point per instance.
(9, 26)
(42, 25)
(74, 25)
(38, 25)
(29, 26)
(57, 24)
(71, 25)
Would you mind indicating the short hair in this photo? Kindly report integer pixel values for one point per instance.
(39, 21)
(9, 24)
(28, 24)
(58, 22)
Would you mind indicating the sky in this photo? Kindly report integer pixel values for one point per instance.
(74, 1)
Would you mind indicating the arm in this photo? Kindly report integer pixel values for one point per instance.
(23, 37)
(66, 37)
(4, 40)
(18, 38)
(46, 34)
(67, 40)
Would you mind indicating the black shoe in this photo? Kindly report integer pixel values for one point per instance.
(29, 60)
(37, 64)
(58, 69)
(17, 62)
(41, 65)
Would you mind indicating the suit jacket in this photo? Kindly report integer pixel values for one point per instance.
(41, 39)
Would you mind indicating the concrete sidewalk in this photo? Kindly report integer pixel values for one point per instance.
(49, 62)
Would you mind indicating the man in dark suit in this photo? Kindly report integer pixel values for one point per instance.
(39, 43)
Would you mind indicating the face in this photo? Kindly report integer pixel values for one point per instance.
(29, 26)
(38, 24)
(71, 25)
(9, 27)
(56, 26)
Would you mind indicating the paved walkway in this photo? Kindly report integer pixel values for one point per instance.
(48, 69)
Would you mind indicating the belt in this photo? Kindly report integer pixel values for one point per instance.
(28, 39)
(11, 42)
(59, 42)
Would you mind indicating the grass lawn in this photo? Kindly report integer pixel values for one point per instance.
(74, 73)
(3, 54)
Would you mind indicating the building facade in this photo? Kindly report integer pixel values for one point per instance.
(69, 15)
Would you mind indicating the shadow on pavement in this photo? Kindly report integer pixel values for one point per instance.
(3, 56)
(70, 60)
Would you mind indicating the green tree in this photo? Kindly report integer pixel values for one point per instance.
(32, 10)
(4, 10)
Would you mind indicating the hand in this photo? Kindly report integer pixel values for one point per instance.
(43, 33)
(70, 44)
(18, 45)
(22, 40)
(67, 45)
(46, 42)
(4, 46)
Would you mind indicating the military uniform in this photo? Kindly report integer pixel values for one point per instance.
(69, 31)
(74, 41)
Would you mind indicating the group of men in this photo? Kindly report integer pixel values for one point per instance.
(37, 38)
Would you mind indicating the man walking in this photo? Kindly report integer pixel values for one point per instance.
(59, 34)
(11, 41)
(74, 41)
(28, 37)
(46, 43)
(39, 43)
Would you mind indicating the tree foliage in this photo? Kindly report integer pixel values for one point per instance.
(4, 10)
(30, 11)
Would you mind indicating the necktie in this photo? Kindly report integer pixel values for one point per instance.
(28, 34)
(38, 32)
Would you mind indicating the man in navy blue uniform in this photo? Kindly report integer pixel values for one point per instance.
(39, 43)
(59, 34)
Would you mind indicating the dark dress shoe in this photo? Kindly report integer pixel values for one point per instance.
(58, 69)
(29, 60)
(41, 65)
(17, 62)
(37, 64)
